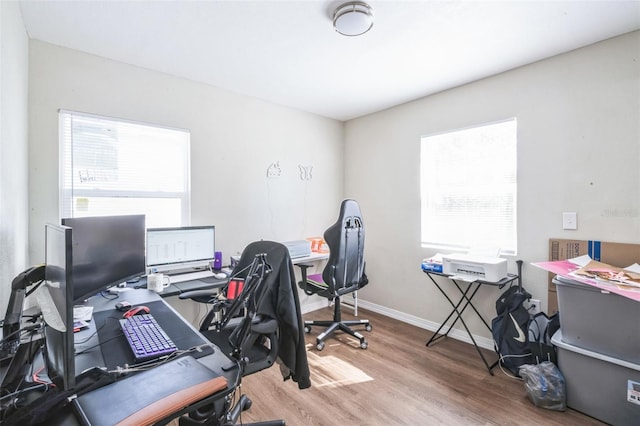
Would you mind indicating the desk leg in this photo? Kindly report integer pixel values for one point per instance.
(467, 298)
(471, 304)
(455, 306)
(489, 368)
(355, 303)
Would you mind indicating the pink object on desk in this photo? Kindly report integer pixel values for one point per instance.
(564, 268)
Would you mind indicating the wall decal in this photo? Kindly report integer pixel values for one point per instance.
(274, 170)
(305, 172)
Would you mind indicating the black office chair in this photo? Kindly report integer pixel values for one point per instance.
(343, 274)
(255, 320)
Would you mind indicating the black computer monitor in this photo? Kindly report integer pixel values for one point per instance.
(107, 250)
(181, 248)
(55, 299)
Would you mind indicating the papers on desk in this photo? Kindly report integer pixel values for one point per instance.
(610, 274)
(432, 264)
(466, 278)
(81, 317)
(622, 281)
(82, 313)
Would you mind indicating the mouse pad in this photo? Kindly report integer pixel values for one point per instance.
(152, 394)
(115, 349)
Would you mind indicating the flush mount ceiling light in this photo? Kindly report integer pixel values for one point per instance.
(353, 18)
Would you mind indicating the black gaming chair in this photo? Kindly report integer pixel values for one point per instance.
(254, 320)
(343, 274)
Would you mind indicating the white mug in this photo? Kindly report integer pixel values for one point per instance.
(158, 282)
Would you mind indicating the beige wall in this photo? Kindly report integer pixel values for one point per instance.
(14, 208)
(578, 150)
(234, 139)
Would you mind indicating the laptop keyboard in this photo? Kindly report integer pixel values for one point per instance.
(146, 338)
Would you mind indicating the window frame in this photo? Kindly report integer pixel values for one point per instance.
(68, 191)
(510, 182)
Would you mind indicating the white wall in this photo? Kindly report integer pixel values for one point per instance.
(578, 150)
(234, 139)
(14, 208)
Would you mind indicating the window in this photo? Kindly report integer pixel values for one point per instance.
(468, 188)
(112, 167)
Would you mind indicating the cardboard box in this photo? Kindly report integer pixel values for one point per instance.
(616, 254)
(552, 302)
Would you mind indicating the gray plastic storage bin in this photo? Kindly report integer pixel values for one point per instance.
(606, 323)
(603, 387)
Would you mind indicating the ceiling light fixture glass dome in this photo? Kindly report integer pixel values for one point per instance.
(353, 18)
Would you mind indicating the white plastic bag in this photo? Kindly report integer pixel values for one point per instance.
(545, 386)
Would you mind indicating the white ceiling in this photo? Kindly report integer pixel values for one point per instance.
(287, 52)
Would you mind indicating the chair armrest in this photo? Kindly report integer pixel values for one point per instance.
(364, 280)
(261, 326)
(347, 290)
(303, 283)
(201, 296)
(303, 268)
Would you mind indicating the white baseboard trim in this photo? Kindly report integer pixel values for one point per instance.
(458, 334)
(310, 307)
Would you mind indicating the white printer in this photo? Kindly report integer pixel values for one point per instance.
(298, 248)
(491, 269)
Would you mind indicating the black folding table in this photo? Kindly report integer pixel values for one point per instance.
(466, 296)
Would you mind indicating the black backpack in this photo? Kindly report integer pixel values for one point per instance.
(510, 329)
(541, 329)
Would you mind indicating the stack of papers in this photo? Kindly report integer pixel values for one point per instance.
(622, 281)
(433, 264)
(82, 313)
(629, 276)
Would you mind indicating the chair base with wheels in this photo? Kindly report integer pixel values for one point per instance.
(313, 284)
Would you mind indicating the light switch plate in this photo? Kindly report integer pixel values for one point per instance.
(569, 220)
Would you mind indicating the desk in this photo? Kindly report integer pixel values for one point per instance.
(314, 256)
(175, 289)
(134, 391)
(466, 296)
(164, 313)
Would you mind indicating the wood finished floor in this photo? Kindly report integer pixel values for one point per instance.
(397, 381)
